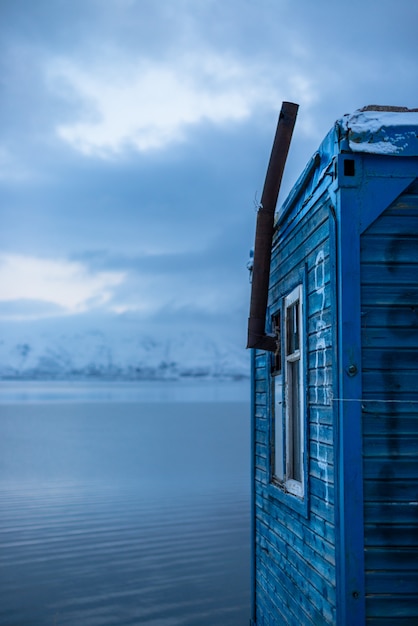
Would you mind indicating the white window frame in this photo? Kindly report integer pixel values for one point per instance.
(292, 485)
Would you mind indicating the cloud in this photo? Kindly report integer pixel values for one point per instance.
(28, 309)
(150, 104)
(61, 285)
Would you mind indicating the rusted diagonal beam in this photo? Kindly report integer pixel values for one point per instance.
(257, 337)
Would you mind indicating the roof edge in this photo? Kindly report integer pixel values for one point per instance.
(382, 130)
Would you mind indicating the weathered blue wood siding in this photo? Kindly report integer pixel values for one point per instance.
(346, 553)
(295, 580)
(389, 309)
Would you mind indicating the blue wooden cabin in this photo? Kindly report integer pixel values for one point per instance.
(335, 406)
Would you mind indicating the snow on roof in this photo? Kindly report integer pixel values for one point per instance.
(374, 129)
(382, 130)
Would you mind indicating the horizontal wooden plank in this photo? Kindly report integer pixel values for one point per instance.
(286, 522)
(402, 468)
(321, 415)
(320, 319)
(391, 400)
(390, 582)
(389, 249)
(313, 238)
(322, 527)
(385, 295)
(318, 214)
(320, 376)
(289, 519)
(261, 451)
(321, 452)
(310, 569)
(320, 266)
(316, 342)
(393, 535)
(391, 489)
(391, 512)
(395, 223)
(315, 549)
(314, 256)
(397, 314)
(388, 274)
(395, 423)
(282, 275)
(391, 559)
(268, 609)
(276, 555)
(401, 605)
(321, 434)
(320, 398)
(261, 385)
(392, 384)
(321, 490)
(261, 478)
(405, 206)
(261, 414)
(321, 471)
(388, 621)
(261, 436)
(387, 408)
(260, 463)
(322, 509)
(260, 398)
(309, 233)
(261, 417)
(260, 362)
(294, 605)
(260, 357)
(392, 447)
(377, 359)
(388, 339)
(262, 497)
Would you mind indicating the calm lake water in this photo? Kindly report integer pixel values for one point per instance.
(124, 504)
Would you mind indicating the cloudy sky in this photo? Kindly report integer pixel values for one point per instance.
(135, 136)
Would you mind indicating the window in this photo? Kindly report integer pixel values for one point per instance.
(294, 392)
(277, 393)
(288, 410)
(277, 357)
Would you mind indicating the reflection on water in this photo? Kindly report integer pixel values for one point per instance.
(141, 391)
(113, 558)
(124, 513)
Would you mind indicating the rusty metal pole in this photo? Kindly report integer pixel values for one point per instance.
(257, 337)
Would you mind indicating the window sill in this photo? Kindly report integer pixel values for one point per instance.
(299, 503)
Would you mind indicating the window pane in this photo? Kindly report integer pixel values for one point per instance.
(292, 330)
(295, 461)
(278, 427)
(277, 356)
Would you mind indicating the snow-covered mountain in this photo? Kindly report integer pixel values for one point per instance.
(43, 352)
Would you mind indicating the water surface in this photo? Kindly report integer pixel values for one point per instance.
(122, 505)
